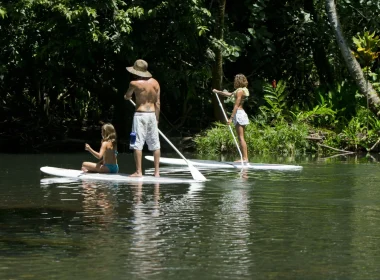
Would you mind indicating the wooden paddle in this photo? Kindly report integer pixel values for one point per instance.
(197, 175)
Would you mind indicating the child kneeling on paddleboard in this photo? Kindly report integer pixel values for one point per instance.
(107, 153)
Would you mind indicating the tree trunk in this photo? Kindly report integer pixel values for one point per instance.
(353, 66)
(217, 69)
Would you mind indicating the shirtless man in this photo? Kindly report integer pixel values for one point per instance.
(145, 119)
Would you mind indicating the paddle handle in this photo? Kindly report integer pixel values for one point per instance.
(233, 135)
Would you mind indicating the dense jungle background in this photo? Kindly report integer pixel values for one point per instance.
(312, 66)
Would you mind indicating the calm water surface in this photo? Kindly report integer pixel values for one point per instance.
(320, 223)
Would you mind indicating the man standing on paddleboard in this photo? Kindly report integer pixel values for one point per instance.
(146, 117)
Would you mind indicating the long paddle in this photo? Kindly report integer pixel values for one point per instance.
(229, 126)
(197, 175)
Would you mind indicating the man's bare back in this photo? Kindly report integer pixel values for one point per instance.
(147, 93)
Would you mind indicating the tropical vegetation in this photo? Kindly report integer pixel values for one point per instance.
(62, 70)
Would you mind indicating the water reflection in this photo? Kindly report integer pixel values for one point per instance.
(144, 253)
(99, 204)
(136, 222)
(195, 188)
(236, 237)
(244, 174)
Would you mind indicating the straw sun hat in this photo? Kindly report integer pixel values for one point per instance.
(140, 68)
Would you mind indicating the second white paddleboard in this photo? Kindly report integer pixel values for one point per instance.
(225, 164)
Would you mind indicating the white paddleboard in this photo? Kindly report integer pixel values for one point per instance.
(225, 164)
(119, 177)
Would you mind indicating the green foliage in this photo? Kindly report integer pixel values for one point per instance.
(60, 60)
(3, 12)
(311, 117)
(215, 140)
(342, 98)
(356, 15)
(283, 138)
(276, 110)
(279, 139)
(360, 133)
(367, 47)
(354, 132)
(64, 61)
(375, 79)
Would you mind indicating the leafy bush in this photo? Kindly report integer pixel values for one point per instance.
(282, 138)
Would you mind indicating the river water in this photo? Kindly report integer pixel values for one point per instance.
(319, 223)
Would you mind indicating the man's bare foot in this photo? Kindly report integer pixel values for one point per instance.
(157, 175)
(136, 174)
(84, 169)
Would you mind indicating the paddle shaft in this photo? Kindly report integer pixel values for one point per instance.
(229, 126)
(194, 172)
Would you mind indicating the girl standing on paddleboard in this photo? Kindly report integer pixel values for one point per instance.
(238, 115)
(107, 153)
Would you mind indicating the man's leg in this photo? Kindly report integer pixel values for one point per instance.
(156, 155)
(138, 158)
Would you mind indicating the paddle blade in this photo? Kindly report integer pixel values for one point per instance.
(197, 175)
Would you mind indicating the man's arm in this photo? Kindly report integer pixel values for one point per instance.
(131, 89)
(158, 105)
